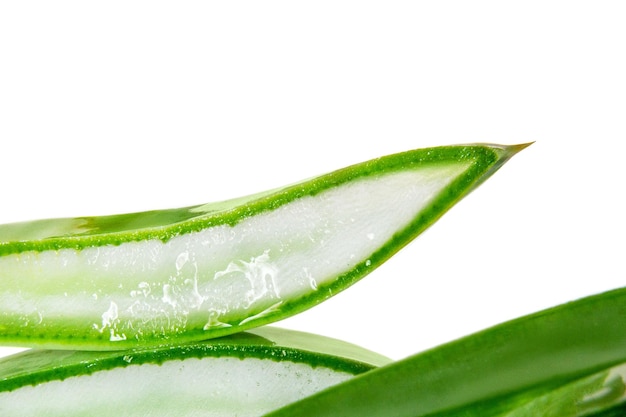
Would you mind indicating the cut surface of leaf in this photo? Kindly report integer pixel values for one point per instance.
(602, 393)
(245, 374)
(542, 361)
(206, 271)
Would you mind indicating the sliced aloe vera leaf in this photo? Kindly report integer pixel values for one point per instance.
(206, 271)
(245, 374)
(490, 373)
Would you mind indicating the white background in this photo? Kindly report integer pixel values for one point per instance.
(110, 107)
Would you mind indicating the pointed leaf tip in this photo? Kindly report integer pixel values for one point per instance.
(513, 149)
(503, 154)
(507, 151)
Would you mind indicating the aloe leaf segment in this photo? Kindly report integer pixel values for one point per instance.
(505, 370)
(245, 374)
(206, 271)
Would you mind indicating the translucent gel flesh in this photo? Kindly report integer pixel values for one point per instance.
(222, 274)
(193, 387)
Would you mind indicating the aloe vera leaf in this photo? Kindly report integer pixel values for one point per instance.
(491, 372)
(206, 271)
(245, 374)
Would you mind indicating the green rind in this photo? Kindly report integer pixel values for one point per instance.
(484, 161)
(36, 366)
(84, 232)
(488, 373)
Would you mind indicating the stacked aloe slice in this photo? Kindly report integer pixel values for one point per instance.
(164, 312)
(245, 374)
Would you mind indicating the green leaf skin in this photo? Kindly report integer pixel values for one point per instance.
(206, 271)
(497, 371)
(245, 374)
